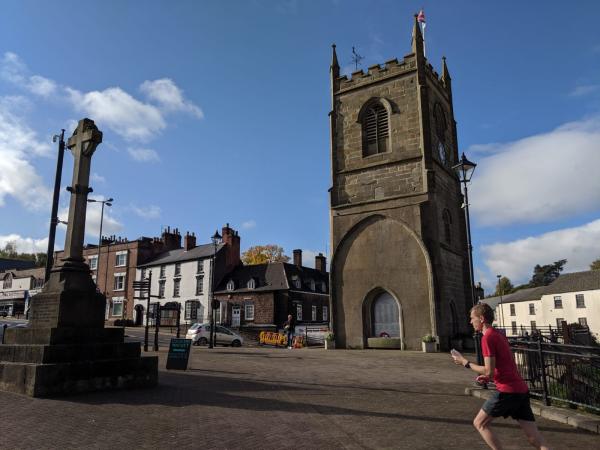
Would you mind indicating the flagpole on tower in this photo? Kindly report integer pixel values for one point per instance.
(421, 20)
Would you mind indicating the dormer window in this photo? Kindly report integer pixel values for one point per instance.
(251, 283)
(323, 286)
(296, 282)
(312, 285)
(231, 285)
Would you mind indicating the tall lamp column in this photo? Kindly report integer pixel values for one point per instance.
(107, 202)
(464, 169)
(216, 240)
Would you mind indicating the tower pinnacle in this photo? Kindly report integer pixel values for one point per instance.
(417, 38)
(335, 67)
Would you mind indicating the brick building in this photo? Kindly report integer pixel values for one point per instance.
(400, 257)
(115, 271)
(259, 297)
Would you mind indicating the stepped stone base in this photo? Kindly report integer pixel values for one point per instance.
(48, 380)
(43, 362)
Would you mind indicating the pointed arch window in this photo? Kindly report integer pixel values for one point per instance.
(375, 130)
(447, 219)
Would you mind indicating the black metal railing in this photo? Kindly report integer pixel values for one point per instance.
(559, 374)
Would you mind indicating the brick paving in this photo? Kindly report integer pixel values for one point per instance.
(264, 398)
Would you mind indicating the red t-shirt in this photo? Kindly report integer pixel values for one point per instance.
(506, 375)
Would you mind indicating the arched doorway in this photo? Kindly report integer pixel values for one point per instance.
(139, 315)
(385, 316)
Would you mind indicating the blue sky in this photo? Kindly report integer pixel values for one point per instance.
(216, 112)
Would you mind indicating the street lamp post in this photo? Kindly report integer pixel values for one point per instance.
(54, 214)
(464, 169)
(107, 202)
(216, 240)
(501, 292)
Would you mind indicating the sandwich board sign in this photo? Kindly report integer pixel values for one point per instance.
(179, 354)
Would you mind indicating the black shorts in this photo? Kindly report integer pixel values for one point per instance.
(506, 404)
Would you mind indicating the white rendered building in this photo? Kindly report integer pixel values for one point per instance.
(573, 298)
(184, 276)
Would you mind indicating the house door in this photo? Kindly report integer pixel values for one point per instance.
(235, 316)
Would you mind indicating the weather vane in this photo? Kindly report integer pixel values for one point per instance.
(356, 58)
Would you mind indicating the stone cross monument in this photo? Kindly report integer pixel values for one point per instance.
(66, 349)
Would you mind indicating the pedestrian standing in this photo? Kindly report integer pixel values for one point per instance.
(512, 394)
(290, 326)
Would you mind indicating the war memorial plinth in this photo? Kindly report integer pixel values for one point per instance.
(66, 349)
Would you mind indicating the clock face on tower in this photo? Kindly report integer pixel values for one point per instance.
(442, 152)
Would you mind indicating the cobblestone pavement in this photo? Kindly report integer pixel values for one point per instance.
(265, 398)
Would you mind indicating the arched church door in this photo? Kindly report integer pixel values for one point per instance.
(386, 316)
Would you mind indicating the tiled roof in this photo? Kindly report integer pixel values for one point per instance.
(180, 255)
(522, 295)
(270, 277)
(568, 282)
(575, 282)
(6, 264)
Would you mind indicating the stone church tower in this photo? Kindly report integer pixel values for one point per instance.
(399, 265)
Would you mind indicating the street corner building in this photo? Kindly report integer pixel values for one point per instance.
(260, 297)
(400, 265)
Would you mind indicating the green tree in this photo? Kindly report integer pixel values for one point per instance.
(546, 274)
(261, 254)
(503, 287)
(595, 265)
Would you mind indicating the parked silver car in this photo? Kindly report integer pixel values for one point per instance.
(199, 333)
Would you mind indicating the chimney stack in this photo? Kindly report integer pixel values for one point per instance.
(189, 241)
(321, 263)
(298, 257)
(231, 239)
(171, 239)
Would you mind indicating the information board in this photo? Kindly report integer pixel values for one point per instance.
(179, 354)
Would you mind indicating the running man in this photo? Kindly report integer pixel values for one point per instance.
(512, 394)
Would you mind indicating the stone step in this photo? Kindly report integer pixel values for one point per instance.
(44, 380)
(63, 335)
(46, 354)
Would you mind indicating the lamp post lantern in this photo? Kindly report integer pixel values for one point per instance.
(107, 202)
(216, 240)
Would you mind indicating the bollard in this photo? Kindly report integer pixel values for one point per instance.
(4, 327)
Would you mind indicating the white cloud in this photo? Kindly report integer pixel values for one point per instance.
(249, 224)
(582, 90)
(515, 260)
(110, 224)
(147, 212)
(118, 110)
(18, 147)
(169, 96)
(143, 154)
(97, 178)
(13, 69)
(25, 244)
(541, 178)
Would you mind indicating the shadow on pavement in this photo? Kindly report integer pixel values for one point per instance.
(177, 390)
